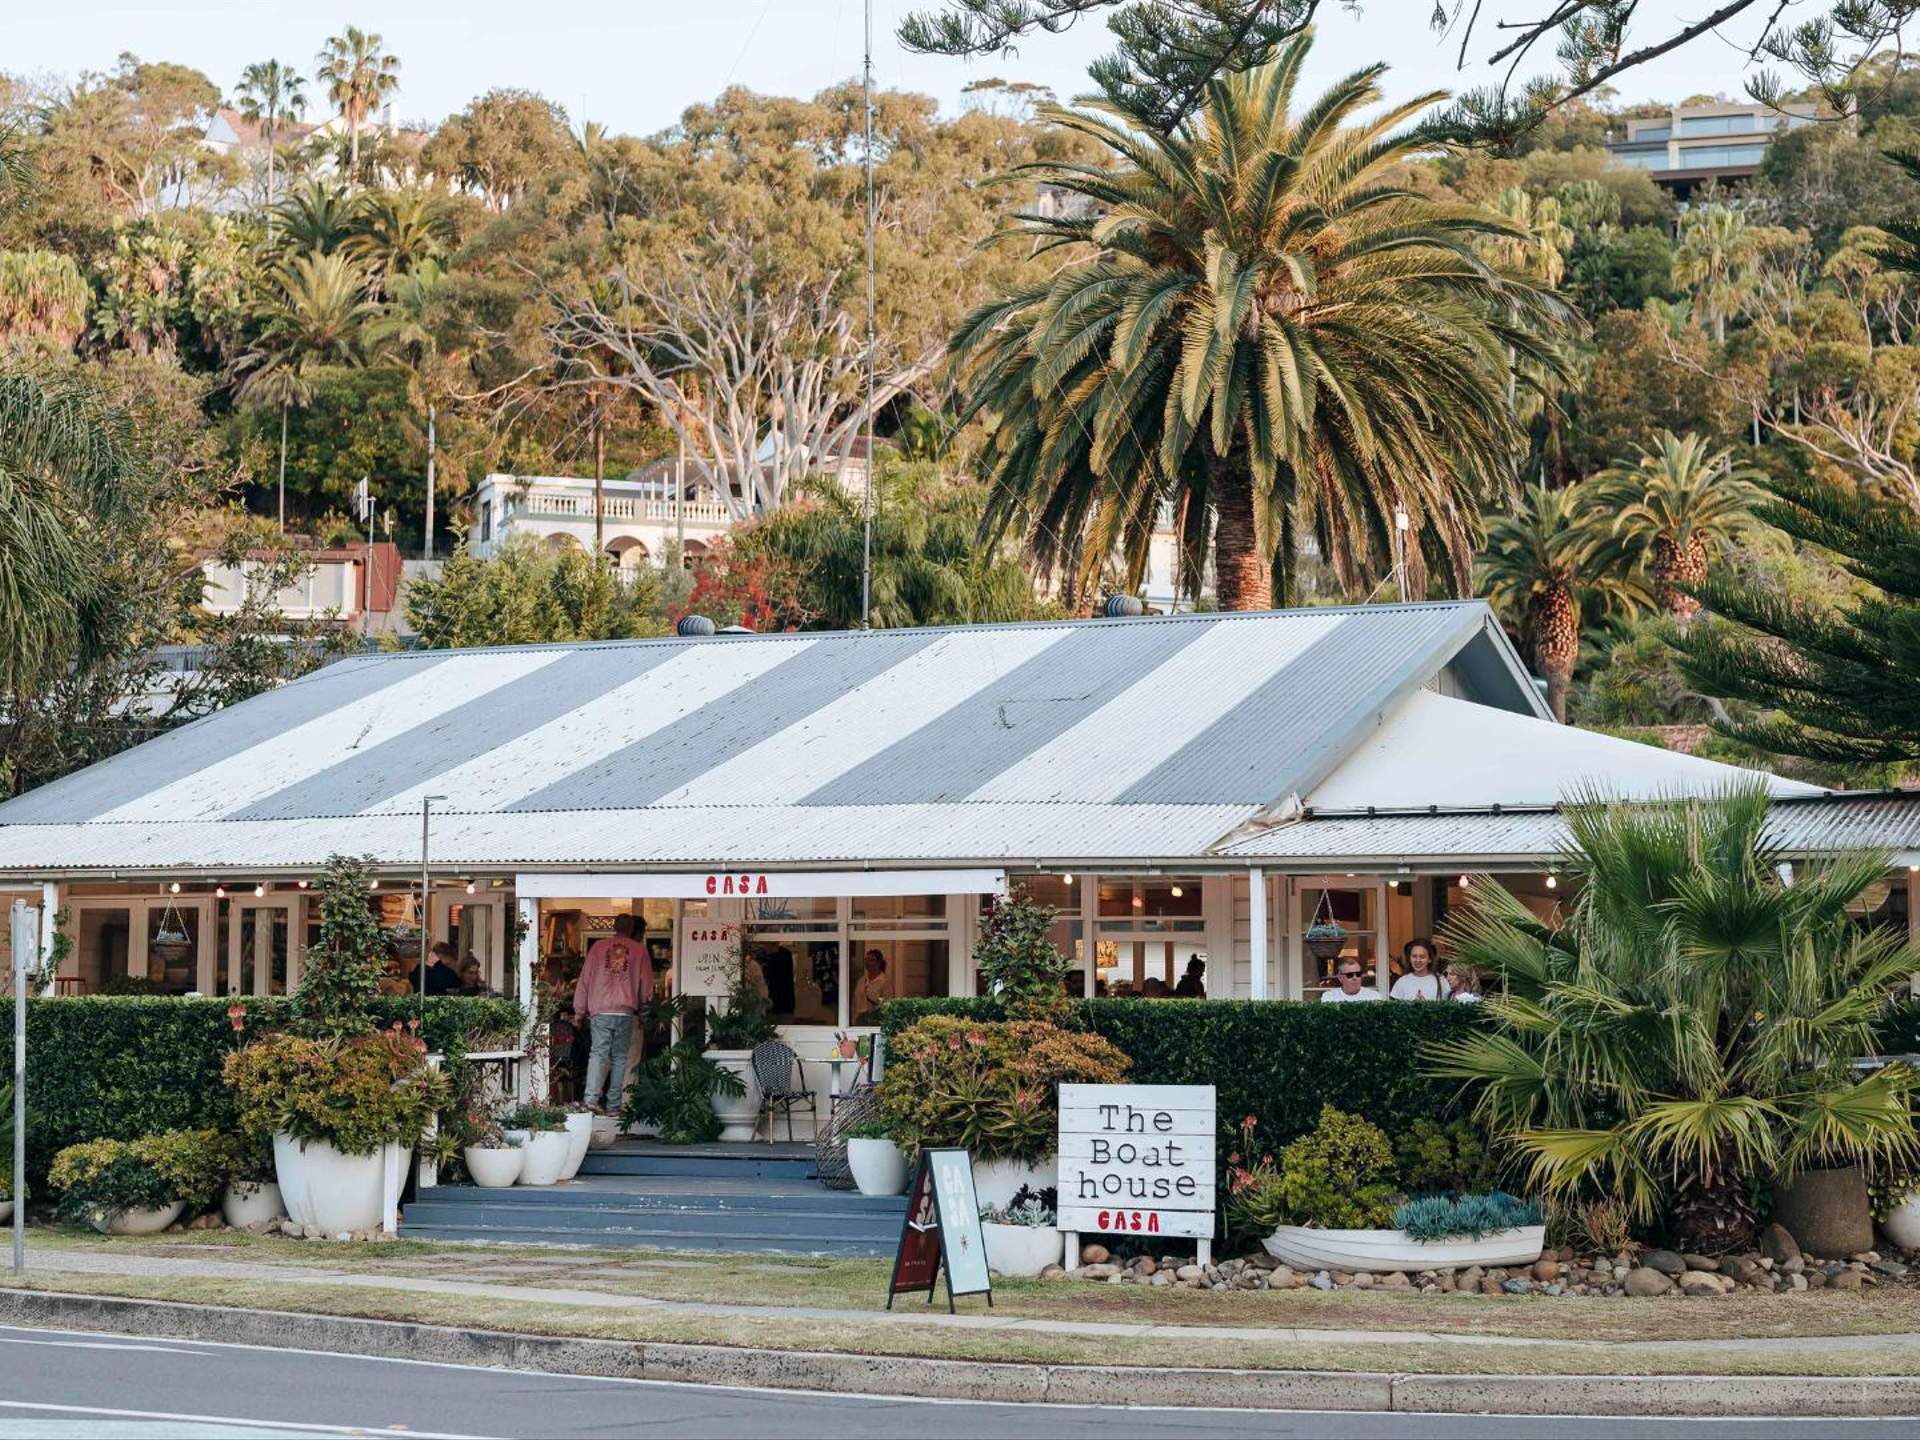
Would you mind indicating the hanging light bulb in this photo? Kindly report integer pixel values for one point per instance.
(469, 887)
(219, 892)
(174, 888)
(258, 891)
(1178, 892)
(1138, 903)
(373, 884)
(1553, 881)
(1466, 882)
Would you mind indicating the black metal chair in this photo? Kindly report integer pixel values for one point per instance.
(782, 1078)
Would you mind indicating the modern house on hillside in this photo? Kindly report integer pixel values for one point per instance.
(1692, 144)
(1180, 788)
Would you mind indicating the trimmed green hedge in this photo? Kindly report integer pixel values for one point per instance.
(103, 1067)
(1276, 1060)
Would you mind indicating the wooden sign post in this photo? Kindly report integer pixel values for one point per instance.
(1137, 1160)
(942, 1228)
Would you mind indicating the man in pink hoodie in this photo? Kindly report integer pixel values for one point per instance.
(615, 982)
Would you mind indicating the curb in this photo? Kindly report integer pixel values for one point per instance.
(982, 1381)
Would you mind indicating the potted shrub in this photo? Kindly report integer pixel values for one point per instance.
(493, 1159)
(251, 1196)
(676, 1091)
(542, 1130)
(138, 1187)
(876, 1162)
(993, 1088)
(733, 1030)
(1021, 1235)
(579, 1139)
(344, 1102)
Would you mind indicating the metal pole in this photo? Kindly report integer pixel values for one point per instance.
(866, 508)
(26, 941)
(1400, 524)
(426, 898)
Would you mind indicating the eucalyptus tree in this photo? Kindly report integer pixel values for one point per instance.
(358, 76)
(1254, 324)
(271, 94)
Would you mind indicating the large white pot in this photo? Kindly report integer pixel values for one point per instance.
(251, 1202)
(1903, 1223)
(737, 1117)
(579, 1138)
(1022, 1249)
(878, 1166)
(493, 1169)
(995, 1182)
(544, 1156)
(137, 1221)
(1305, 1248)
(328, 1193)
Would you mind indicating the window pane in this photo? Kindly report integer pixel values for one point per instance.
(893, 969)
(1056, 892)
(801, 978)
(899, 907)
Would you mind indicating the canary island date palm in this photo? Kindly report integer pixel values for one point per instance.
(1685, 1033)
(1547, 561)
(1253, 322)
(1671, 502)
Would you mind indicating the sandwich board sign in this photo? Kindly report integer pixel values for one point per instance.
(942, 1228)
(1137, 1160)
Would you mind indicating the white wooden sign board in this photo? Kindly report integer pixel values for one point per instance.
(706, 949)
(1137, 1160)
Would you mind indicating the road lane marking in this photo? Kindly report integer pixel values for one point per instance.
(109, 1345)
(288, 1426)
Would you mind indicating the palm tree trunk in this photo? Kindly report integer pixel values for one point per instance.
(269, 188)
(1555, 623)
(353, 152)
(1243, 570)
(283, 467)
(432, 448)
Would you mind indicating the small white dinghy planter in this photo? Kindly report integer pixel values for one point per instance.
(1378, 1251)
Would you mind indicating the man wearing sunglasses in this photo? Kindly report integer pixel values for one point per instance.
(1350, 985)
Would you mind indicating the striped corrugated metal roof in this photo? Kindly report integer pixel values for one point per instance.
(890, 745)
(1819, 825)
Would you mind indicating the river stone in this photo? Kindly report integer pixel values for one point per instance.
(1098, 1271)
(1665, 1261)
(1645, 1281)
(1846, 1280)
(1518, 1287)
(1470, 1278)
(1701, 1262)
(1322, 1281)
(1095, 1254)
(1545, 1270)
(1778, 1245)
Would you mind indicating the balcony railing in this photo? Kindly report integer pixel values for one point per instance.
(573, 506)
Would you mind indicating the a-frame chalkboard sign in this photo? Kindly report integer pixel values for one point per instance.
(942, 1227)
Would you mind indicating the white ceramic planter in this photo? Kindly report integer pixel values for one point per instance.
(493, 1169)
(544, 1156)
(579, 1138)
(1022, 1249)
(1305, 1248)
(995, 1182)
(328, 1193)
(737, 1116)
(878, 1166)
(137, 1222)
(251, 1202)
(1903, 1223)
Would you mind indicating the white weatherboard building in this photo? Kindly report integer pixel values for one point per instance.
(1179, 788)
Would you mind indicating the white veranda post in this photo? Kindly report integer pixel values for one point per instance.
(530, 1083)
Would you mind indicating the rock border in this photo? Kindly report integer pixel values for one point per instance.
(984, 1381)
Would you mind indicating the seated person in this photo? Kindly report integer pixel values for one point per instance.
(1422, 979)
(394, 979)
(1193, 984)
(1464, 981)
(1350, 981)
(472, 981)
(443, 975)
(1155, 988)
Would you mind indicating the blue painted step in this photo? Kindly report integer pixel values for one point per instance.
(795, 1225)
(752, 1244)
(618, 1162)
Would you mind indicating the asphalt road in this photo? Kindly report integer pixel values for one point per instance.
(61, 1384)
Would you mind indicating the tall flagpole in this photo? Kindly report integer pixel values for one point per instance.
(866, 508)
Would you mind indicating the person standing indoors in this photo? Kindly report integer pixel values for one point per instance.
(874, 990)
(1421, 981)
(1352, 985)
(616, 981)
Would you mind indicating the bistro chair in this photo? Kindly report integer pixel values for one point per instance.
(782, 1079)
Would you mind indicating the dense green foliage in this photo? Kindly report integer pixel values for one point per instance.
(1018, 962)
(355, 1093)
(123, 1067)
(991, 1086)
(1277, 1060)
(673, 1089)
(1464, 1217)
(150, 1173)
(1686, 1033)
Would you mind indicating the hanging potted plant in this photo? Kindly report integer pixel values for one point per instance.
(1326, 937)
(344, 1102)
(736, 1023)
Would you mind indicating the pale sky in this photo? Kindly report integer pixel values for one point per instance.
(636, 64)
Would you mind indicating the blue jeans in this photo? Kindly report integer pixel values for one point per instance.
(611, 1034)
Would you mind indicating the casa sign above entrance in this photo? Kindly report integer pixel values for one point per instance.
(736, 884)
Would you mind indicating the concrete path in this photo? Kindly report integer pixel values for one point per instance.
(50, 1260)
